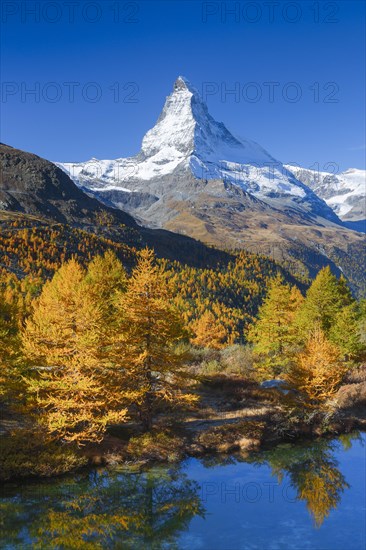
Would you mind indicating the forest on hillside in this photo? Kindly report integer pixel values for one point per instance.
(104, 335)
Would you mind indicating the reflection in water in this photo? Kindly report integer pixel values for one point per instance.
(312, 471)
(140, 510)
(130, 509)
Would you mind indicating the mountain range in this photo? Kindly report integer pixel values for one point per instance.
(33, 185)
(187, 144)
(38, 192)
(345, 192)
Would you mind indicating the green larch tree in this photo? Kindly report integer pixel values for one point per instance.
(324, 299)
(274, 333)
(345, 332)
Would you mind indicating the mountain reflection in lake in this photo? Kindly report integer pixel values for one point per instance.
(309, 495)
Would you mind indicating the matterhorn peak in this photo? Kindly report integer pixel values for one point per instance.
(188, 143)
(186, 137)
(182, 83)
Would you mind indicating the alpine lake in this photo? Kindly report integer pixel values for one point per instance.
(306, 495)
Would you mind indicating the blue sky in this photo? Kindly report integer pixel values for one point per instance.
(101, 72)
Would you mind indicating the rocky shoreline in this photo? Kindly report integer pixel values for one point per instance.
(234, 416)
(175, 444)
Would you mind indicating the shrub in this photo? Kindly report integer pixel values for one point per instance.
(238, 359)
(211, 367)
(26, 455)
(225, 438)
(356, 375)
(232, 360)
(155, 445)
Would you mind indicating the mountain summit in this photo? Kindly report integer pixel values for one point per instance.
(187, 146)
(187, 136)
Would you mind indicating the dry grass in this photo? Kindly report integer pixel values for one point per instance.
(356, 375)
(352, 396)
(243, 436)
(157, 446)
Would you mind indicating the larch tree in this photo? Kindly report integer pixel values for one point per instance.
(106, 276)
(209, 332)
(362, 321)
(10, 356)
(318, 370)
(344, 291)
(345, 332)
(105, 279)
(274, 333)
(324, 299)
(150, 328)
(64, 339)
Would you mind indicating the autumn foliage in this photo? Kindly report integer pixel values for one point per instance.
(150, 326)
(97, 338)
(65, 340)
(318, 370)
(101, 347)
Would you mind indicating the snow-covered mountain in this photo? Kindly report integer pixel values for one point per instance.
(194, 177)
(188, 153)
(345, 192)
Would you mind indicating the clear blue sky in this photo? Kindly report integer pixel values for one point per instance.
(319, 46)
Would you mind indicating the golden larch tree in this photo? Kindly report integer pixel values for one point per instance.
(318, 370)
(150, 328)
(10, 357)
(209, 332)
(64, 338)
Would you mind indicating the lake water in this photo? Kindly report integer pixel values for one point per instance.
(303, 496)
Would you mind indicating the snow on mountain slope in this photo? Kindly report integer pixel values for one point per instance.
(345, 192)
(187, 140)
